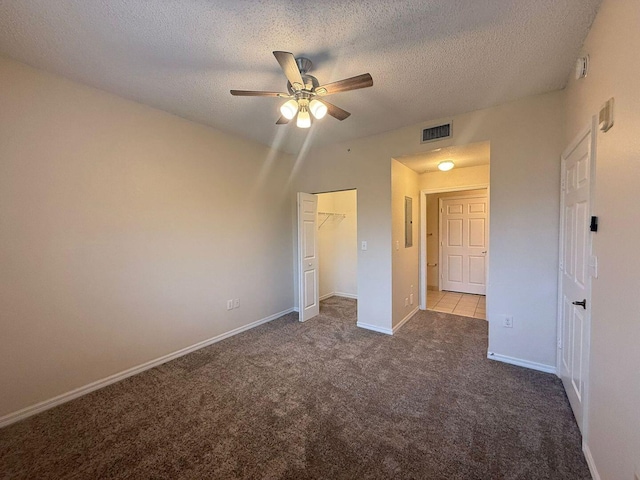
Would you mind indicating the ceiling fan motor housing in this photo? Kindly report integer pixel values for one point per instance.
(304, 65)
(310, 84)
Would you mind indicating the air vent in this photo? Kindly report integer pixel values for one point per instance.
(436, 133)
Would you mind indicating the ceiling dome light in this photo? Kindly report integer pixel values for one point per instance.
(318, 109)
(289, 109)
(445, 166)
(304, 119)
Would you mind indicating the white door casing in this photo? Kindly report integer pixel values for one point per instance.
(464, 244)
(308, 288)
(575, 272)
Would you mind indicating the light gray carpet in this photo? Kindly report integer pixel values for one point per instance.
(322, 399)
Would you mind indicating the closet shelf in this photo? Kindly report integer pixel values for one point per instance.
(328, 215)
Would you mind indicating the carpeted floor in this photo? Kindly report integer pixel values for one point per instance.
(323, 399)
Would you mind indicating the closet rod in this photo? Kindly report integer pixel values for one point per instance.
(329, 215)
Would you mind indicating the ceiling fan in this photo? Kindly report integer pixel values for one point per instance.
(304, 91)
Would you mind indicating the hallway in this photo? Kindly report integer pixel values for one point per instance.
(462, 304)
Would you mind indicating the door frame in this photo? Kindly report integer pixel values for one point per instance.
(486, 262)
(592, 130)
(423, 232)
(296, 249)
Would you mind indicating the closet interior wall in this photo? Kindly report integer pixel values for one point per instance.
(338, 244)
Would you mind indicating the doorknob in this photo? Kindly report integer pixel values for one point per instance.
(583, 303)
(310, 264)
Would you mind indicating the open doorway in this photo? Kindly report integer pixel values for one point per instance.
(456, 251)
(338, 248)
(454, 214)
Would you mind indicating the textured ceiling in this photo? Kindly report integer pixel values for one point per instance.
(470, 155)
(428, 58)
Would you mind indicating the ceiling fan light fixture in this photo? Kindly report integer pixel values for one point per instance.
(318, 109)
(289, 109)
(446, 165)
(304, 119)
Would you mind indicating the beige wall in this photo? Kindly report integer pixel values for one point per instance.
(338, 244)
(613, 418)
(525, 182)
(123, 231)
(433, 231)
(458, 178)
(405, 266)
(358, 166)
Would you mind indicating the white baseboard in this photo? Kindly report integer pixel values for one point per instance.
(375, 328)
(388, 331)
(590, 462)
(80, 391)
(346, 295)
(338, 294)
(405, 319)
(522, 363)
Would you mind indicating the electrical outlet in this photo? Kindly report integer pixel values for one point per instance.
(236, 303)
(507, 321)
(411, 299)
(364, 245)
(229, 304)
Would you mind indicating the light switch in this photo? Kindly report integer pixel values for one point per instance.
(364, 245)
(605, 117)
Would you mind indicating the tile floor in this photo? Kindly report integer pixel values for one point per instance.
(463, 304)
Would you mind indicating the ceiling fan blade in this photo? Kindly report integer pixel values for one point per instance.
(354, 83)
(290, 68)
(335, 112)
(254, 93)
(282, 120)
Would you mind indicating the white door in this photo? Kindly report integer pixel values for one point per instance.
(308, 288)
(575, 275)
(463, 244)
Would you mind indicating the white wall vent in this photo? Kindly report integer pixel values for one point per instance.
(436, 133)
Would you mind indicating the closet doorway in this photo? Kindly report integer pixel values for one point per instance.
(338, 246)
